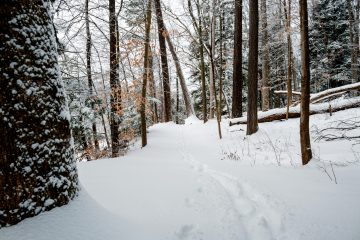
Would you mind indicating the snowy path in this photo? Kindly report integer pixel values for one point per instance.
(180, 187)
(187, 199)
(245, 213)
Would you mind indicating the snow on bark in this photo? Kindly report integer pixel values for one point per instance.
(38, 170)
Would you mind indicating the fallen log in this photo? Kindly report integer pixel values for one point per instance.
(294, 112)
(329, 96)
(284, 92)
(317, 97)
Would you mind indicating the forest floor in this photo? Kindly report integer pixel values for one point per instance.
(188, 184)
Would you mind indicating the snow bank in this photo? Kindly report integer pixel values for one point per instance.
(188, 184)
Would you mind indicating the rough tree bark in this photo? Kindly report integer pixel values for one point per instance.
(306, 153)
(145, 75)
(164, 61)
(252, 125)
(88, 71)
(265, 89)
(289, 43)
(237, 75)
(115, 99)
(37, 165)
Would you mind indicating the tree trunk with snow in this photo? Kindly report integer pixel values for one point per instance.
(289, 48)
(306, 153)
(252, 125)
(146, 74)
(265, 88)
(115, 98)
(237, 68)
(37, 165)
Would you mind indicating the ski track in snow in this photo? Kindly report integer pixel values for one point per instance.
(245, 213)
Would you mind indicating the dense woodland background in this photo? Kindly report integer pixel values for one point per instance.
(202, 33)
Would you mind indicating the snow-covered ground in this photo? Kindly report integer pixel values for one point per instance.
(188, 184)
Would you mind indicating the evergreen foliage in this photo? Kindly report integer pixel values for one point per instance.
(330, 45)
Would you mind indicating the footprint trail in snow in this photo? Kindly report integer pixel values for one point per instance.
(243, 213)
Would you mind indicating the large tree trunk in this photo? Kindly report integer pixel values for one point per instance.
(37, 165)
(88, 71)
(306, 153)
(145, 75)
(252, 125)
(237, 75)
(164, 61)
(265, 89)
(115, 99)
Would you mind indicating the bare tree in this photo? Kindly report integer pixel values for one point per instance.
(237, 75)
(212, 64)
(187, 99)
(164, 61)
(265, 89)
(146, 74)
(199, 29)
(88, 71)
(252, 124)
(115, 99)
(289, 46)
(306, 153)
